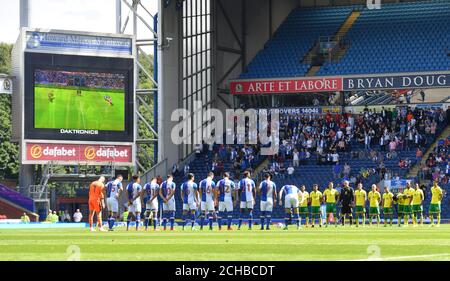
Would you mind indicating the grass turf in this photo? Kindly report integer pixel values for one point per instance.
(341, 243)
(89, 111)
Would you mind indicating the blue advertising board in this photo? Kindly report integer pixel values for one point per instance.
(397, 82)
(100, 45)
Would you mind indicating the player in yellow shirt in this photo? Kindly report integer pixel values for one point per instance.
(374, 207)
(360, 203)
(417, 208)
(435, 205)
(303, 209)
(400, 206)
(388, 200)
(330, 195)
(407, 200)
(315, 197)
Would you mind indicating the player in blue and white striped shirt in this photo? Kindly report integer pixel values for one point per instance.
(291, 201)
(225, 190)
(268, 193)
(113, 190)
(150, 194)
(209, 199)
(247, 192)
(167, 192)
(134, 201)
(189, 194)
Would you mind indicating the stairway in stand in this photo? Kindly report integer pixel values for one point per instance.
(414, 170)
(313, 52)
(347, 25)
(312, 70)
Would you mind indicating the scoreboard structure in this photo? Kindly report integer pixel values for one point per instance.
(74, 97)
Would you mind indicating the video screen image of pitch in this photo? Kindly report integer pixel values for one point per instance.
(79, 100)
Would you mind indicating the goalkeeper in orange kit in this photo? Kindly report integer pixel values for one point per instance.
(96, 202)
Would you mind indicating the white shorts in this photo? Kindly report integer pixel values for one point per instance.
(169, 206)
(112, 204)
(246, 205)
(291, 201)
(190, 206)
(153, 206)
(135, 207)
(266, 206)
(207, 206)
(226, 205)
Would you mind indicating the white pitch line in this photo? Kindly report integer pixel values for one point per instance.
(403, 257)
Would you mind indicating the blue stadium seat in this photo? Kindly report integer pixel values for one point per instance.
(400, 37)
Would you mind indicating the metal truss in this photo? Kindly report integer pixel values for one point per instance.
(138, 12)
(239, 39)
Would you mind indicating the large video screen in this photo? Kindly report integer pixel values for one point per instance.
(78, 98)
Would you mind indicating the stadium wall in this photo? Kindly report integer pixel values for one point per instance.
(261, 19)
(169, 82)
(254, 22)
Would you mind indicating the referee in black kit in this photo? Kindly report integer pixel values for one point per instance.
(346, 200)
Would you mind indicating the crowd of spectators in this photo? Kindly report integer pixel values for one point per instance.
(332, 139)
(437, 165)
(80, 79)
(241, 157)
(60, 216)
(324, 138)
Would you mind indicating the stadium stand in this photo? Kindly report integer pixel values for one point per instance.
(203, 163)
(282, 55)
(401, 37)
(16, 198)
(379, 161)
(13, 204)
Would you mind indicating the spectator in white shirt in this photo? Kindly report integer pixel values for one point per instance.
(367, 140)
(309, 143)
(351, 121)
(339, 134)
(335, 157)
(77, 216)
(66, 216)
(290, 171)
(347, 170)
(392, 145)
(295, 158)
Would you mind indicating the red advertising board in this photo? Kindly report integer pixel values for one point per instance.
(300, 85)
(72, 153)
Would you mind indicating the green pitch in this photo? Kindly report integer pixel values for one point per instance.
(63, 108)
(369, 243)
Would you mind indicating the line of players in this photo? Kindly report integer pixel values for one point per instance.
(225, 195)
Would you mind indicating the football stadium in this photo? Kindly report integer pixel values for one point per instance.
(229, 130)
